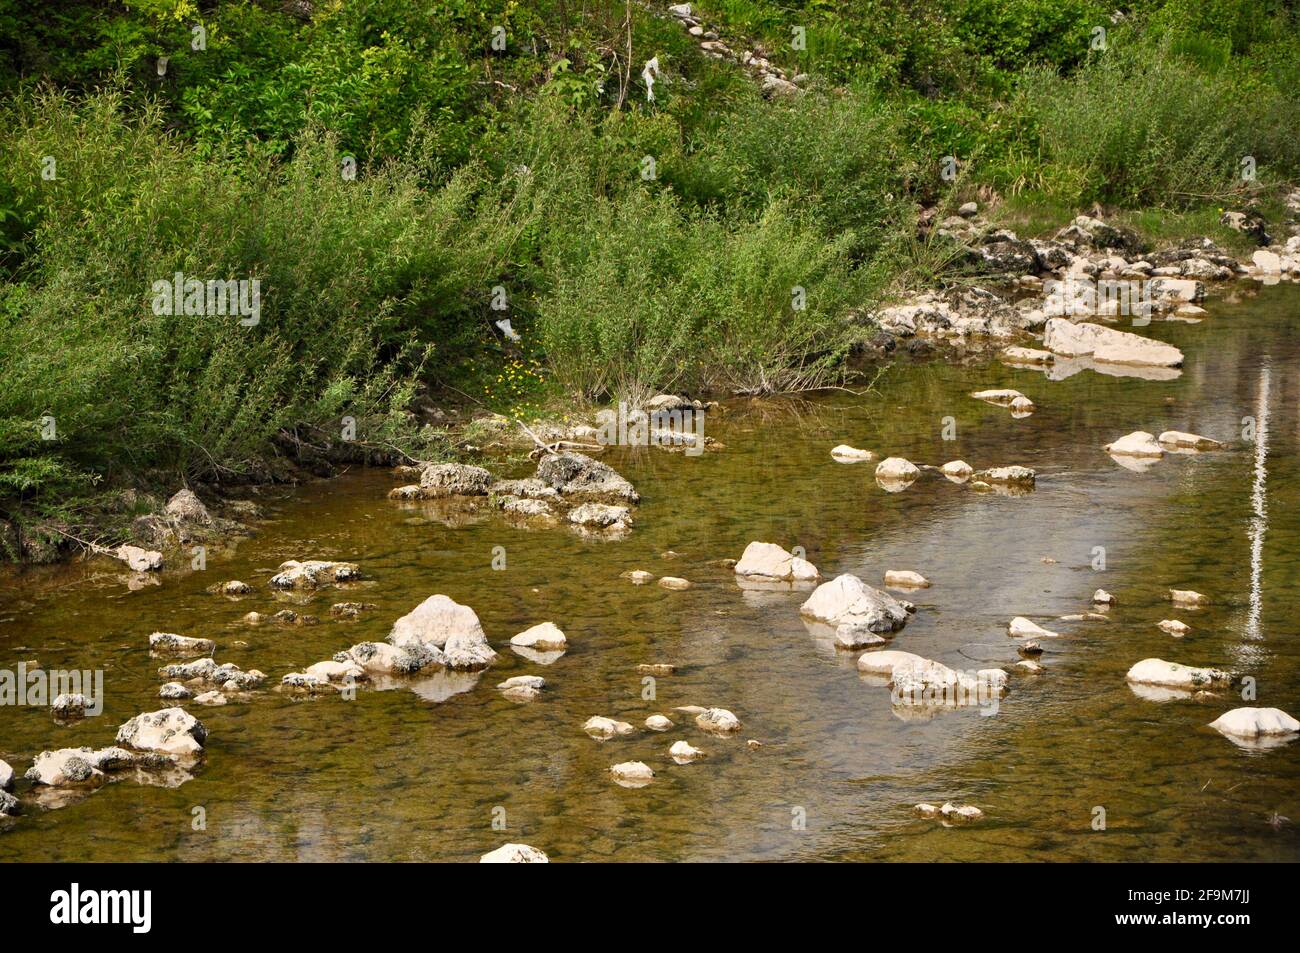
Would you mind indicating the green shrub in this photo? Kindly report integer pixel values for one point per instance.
(1142, 125)
(358, 280)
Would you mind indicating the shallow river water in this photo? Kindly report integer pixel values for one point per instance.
(424, 771)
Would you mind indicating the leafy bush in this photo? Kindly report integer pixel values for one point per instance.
(358, 279)
(1142, 125)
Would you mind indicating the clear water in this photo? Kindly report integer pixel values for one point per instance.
(417, 773)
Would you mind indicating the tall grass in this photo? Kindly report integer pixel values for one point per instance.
(1144, 125)
(358, 280)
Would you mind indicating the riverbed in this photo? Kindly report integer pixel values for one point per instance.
(447, 768)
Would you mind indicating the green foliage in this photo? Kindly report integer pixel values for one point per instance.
(1142, 125)
(526, 167)
(357, 280)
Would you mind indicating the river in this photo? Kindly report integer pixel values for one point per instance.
(434, 769)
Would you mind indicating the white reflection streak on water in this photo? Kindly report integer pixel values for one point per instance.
(1258, 505)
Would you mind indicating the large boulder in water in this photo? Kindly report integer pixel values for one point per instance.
(454, 479)
(170, 730)
(1154, 671)
(1253, 724)
(186, 507)
(440, 622)
(1106, 345)
(847, 600)
(578, 476)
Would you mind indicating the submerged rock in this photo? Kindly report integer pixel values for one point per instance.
(1027, 355)
(964, 813)
(674, 582)
(350, 610)
(1188, 597)
(639, 577)
(232, 587)
(770, 561)
(514, 854)
(1174, 627)
(853, 637)
(170, 730)
(1188, 441)
(1003, 397)
(847, 600)
(600, 516)
(1016, 475)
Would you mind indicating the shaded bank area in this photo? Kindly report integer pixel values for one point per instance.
(423, 768)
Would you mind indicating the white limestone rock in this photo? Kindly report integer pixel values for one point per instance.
(169, 730)
(632, 774)
(1137, 444)
(683, 752)
(1107, 345)
(770, 561)
(440, 623)
(717, 721)
(1256, 723)
(140, 560)
(545, 636)
(1158, 672)
(514, 854)
(1022, 628)
(847, 600)
(846, 454)
(958, 471)
(905, 579)
(602, 728)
